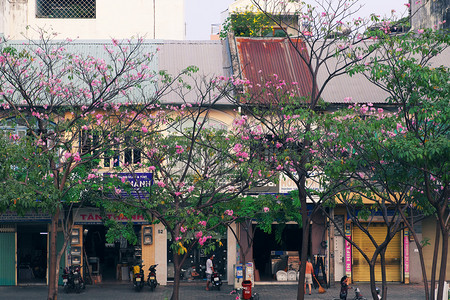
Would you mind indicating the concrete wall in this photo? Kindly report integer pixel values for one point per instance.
(231, 253)
(428, 232)
(426, 14)
(114, 19)
(160, 241)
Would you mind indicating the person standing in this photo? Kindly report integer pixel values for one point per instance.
(344, 288)
(209, 271)
(308, 275)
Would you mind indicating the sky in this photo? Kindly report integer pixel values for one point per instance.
(200, 14)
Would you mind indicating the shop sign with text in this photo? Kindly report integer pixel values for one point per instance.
(93, 217)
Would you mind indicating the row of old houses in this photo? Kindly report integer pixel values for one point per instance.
(24, 239)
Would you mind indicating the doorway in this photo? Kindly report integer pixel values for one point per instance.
(271, 256)
(32, 254)
(108, 259)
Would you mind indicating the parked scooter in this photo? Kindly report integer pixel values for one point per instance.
(216, 282)
(72, 279)
(151, 279)
(138, 277)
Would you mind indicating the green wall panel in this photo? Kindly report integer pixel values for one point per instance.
(7, 258)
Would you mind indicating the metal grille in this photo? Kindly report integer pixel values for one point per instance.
(65, 9)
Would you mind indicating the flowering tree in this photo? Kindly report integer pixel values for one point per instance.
(198, 166)
(289, 115)
(264, 210)
(356, 151)
(76, 108)
(405, 67)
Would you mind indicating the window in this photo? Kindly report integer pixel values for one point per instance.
(66, 9)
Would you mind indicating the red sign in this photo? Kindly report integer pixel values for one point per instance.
(90, 216)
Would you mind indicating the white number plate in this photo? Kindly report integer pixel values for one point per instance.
(64, 280)
(216, 279)
(152, 277)
(138, 279)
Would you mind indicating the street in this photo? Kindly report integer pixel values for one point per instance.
(196, 291)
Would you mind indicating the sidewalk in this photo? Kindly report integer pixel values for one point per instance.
(111, 291)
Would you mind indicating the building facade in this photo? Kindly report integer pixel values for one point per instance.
(93, 19)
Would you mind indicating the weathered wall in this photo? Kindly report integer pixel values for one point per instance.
(427, 14)
(114, 19)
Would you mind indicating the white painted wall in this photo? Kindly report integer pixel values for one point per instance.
(114, 19)
(160, 239)
(231, 254)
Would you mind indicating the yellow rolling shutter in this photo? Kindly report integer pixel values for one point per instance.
(393, 254)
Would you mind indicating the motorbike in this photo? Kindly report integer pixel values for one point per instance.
(72, 279)
(138, 277)
(151, 279)
(216, 282)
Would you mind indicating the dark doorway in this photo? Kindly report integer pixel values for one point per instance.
(270, 255)
(32, 254)
(107, 259)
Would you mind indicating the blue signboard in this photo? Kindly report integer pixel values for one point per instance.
(138, 182)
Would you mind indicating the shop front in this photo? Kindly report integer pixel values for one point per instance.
(23, 248)
(396, 256)
(194, 266)
(102, 260)
(271, 255)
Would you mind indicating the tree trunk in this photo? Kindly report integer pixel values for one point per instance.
(422, 265)
(443, 268)
(383, 276)
(53, 255)
(372, 265)
(435, 257)
(176, 279)
(305, 240)
(410, 226)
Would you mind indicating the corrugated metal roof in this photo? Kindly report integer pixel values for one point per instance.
(171, 56)
(358, 87)
(267, 56)
(209, 56)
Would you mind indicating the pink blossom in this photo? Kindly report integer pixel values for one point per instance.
(229, 212)
(420, 31)
(179, 149)
(91, 176)
(144, 129)
(67, 155)
(151, 168)
(199, 234)
(76, 157)
(191, 188)
(203, 223)
(161, 184)
(117, 191)
(398, 49)
(183, 229)
(266, 209)
(178, 238)
(178, 193)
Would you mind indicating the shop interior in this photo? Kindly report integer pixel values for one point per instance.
(32, 253)
(194, 266)
(109, 261)
(270, 256)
